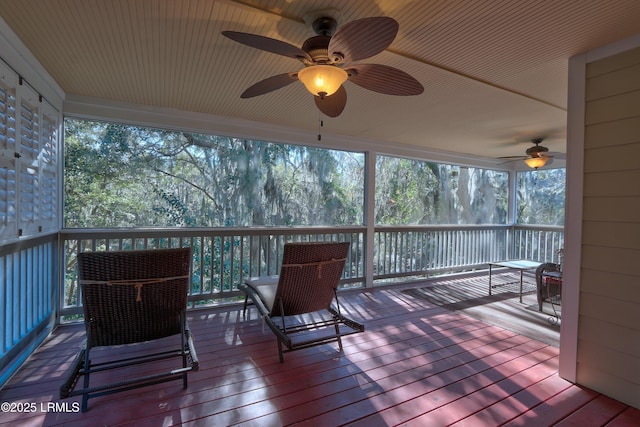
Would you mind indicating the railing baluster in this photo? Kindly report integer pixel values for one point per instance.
(399, 251)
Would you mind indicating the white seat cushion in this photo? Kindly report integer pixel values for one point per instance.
(266, 287)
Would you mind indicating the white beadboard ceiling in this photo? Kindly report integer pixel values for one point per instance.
(494, 71)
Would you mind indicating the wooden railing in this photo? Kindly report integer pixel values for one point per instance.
(420, 250)
(28, 303)
(222, 257)
(537, 243)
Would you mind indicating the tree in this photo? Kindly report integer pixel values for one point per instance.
(125, 176)
(419, 192)
(541, 196)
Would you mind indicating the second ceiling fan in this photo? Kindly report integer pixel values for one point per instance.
(326, 57)
(537, 155)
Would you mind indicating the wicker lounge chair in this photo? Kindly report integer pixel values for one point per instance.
(132, 297)
(547, 290)
(307, 283)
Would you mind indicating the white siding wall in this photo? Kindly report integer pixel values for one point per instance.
(608, 350)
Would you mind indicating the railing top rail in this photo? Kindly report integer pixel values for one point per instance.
(26, 242)
(141, 232)
(446, 227)
(441, 227)
(97, 233)
(538, 227)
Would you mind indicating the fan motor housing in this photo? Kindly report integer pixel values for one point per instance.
(318, 48)
(536, 150)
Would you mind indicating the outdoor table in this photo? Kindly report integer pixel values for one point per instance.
(516, 264)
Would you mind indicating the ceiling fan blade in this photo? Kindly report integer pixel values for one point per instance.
(268, 85)
(332, 105)
(267, 44)
(384, 79)
(513, 157)
(508, 160)
(363, 38)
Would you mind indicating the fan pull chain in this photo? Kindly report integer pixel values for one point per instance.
(320, 125)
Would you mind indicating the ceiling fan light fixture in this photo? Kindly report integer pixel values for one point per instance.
(536, 162)
(322, 80)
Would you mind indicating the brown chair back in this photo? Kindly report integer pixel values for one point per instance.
(309, 276)
(133, 296)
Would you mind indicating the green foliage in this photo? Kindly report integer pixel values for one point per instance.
(124, 176)
(419, 192)
(173, 208)
(541, 196)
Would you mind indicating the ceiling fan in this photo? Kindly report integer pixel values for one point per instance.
(537, 156)
(326, 57)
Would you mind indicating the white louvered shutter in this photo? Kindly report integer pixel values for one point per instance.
(8, 160)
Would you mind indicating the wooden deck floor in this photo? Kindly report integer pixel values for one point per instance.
(417, 364)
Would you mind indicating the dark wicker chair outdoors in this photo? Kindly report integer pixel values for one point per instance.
(547, 289)
(307, 283)
(132, 297)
